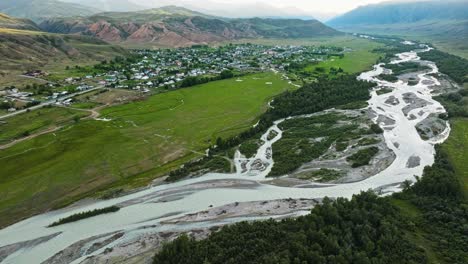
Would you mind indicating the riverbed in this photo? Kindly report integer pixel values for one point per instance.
(214, 199)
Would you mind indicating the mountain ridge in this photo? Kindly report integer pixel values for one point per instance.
(39, 10)
(17, 23)
(402, 12)
(178, 26)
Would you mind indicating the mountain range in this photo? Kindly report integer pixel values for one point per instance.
(227, 9)
(177, 26)
(443, 23)
(427, 17)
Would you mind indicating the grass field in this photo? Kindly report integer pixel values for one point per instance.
(353, 62)
(36, 121)
(457, 149)
(144, 140)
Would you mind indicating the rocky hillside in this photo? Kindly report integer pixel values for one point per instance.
(26, 51)
(175, 26)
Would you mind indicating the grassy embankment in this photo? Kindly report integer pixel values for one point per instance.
(144, 140)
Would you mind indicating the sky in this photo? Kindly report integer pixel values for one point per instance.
(320, 9)
(325, 6)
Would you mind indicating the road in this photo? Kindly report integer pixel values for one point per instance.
(49, 102)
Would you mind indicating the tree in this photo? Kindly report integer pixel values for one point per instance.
(226, 74)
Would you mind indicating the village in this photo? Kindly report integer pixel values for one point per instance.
(155, 71)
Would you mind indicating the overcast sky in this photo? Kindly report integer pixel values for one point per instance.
(333, 6)
(320, 9)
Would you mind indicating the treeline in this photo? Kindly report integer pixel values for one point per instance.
(318, 96)
(406, 67)
(362, 157)
(365, 229)
(454, 66)
(455, 103)
(195, 80)
(84, 215)
(205, 164)
(392, 47)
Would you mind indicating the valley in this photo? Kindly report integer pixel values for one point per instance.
(193, 195)
(444, 24)
(140, 132)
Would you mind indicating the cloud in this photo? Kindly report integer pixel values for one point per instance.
(311, 6)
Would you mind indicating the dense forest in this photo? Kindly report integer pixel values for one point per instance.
(455, 103)
(366, 229)
(453, 66)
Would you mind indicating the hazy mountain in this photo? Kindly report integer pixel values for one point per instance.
(239, 10)
(443, 23)
(109, 5)
(402, 12)
(16, 23)
(176, 26)
(39, 10)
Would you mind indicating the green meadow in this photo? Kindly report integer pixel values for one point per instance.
(142, 141)
(457, 149)
(358, 59)
(36, 121)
